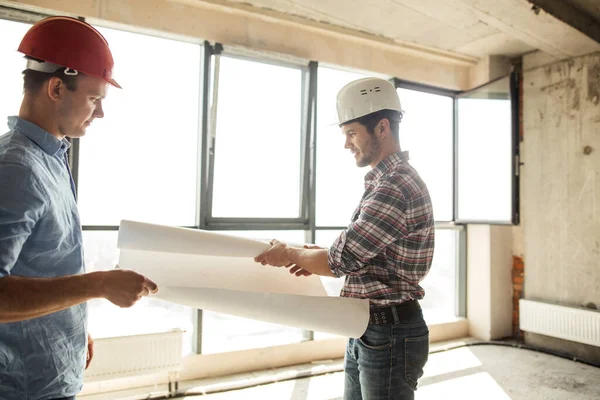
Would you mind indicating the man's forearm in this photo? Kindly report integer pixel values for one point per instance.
(315, 261)
(24, 298)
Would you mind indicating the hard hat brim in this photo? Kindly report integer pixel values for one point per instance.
(114, 83)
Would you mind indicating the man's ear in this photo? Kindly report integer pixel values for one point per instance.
(383, 128)
(55, 88)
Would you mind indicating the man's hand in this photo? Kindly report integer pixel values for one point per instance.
(299, 271)
(90, 351)
(275, 256)
(124, 287)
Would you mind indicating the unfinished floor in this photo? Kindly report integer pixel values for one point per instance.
(475, 372)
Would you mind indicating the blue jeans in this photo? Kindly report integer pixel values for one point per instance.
(387, 361)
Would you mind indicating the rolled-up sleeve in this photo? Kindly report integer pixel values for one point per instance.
(22, 204)
(381, 221)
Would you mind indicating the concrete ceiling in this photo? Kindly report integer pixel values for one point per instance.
(470, 27)
(589, 7)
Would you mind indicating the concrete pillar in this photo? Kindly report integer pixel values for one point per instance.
(489, 250)
(489, 283)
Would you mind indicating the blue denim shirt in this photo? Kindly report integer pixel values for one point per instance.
(40, 236)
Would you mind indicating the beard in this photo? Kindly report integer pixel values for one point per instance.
(369, 152)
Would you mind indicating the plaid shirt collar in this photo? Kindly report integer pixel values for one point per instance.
(390, 162)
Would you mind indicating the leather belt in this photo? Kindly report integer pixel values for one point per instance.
(395, 314)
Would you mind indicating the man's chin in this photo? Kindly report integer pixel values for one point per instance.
(78, 134)
(361, 163)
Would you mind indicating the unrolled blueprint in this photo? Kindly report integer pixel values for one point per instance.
(217, 272)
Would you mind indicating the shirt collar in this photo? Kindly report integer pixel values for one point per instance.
(386, 164)
(39, 136)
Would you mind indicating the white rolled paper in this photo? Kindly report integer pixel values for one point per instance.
(217, 272)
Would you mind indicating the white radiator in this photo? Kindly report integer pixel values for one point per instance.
(126, 356)
(569, 323)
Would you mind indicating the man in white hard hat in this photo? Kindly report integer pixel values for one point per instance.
(44, 345)
(384, 253)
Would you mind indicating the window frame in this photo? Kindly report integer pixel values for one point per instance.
(453, 94)
(308, 104)
(514, 81)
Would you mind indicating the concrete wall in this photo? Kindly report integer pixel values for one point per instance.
(560, 232)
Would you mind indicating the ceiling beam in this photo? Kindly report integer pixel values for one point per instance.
(268, 31)
(534, 26)
(572, 16)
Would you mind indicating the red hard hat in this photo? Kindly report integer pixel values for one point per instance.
(71, 43)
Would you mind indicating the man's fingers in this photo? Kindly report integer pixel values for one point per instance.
(150, 285)
(261, 256)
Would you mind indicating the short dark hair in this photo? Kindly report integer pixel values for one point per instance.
(370, 121)
(34, 80)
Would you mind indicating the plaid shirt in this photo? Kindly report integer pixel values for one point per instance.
(388, 247)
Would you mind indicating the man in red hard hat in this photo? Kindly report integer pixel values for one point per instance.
(44, 345)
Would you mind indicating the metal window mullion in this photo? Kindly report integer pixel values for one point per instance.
(310, 160)
(212, 128)
(257, 226)
(202, 185)
(461, 273)
(515, 98)
(419, 87)
(313, 68)
(305, 137)
(455, 159)
(100, 227)
(74, 163)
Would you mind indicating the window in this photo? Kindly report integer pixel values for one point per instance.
(13, 64)
(257, 168)
(440, 301)
(340, 183)
(223, 332)
(140, 161)
(485, 178)
(149, 315)
(426, 131)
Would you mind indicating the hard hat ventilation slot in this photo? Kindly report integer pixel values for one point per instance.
(377, 89)
(363, 92)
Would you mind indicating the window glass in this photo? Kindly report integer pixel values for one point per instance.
(149, 315)
(340, 183)
(11, 68)
(257, 167)
(139, 162)
(223, 332)
(485, 154)
(439, 303)
(426, 132)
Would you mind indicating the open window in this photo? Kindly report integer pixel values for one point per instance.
(487, 153)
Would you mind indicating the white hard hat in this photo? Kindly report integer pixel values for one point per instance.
(366, 96)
